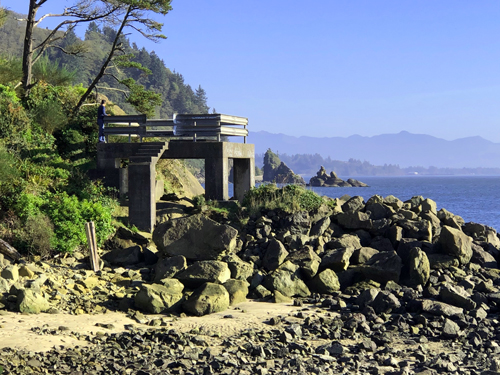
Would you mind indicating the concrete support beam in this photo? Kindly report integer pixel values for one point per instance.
(243, 176)
(142, 200)
(216, 178)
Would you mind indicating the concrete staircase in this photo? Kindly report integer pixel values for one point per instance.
(149, 152)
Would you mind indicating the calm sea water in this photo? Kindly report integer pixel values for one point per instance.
(474, 198)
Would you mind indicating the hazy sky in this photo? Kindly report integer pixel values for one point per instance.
(339, 67)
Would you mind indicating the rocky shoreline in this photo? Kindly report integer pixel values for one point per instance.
(382, 286)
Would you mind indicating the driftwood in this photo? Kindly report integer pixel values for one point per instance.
(9, 251)
(91, 240)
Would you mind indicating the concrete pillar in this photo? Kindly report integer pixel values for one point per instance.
(123, 182)
(107, 163)
(243, 176)
(216, 178)
(142, 200)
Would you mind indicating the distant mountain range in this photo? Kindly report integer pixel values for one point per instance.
(405, 149)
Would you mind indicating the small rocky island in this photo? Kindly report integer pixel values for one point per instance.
(278, 172)
(332, 180)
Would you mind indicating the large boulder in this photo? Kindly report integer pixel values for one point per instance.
(456, 243)
(274, 256)
(169, 267)
(240, 270)
(31, 301)
(207, 299)
(337, 259)
(307, 260)
(125, 257)
(325, 282)
(287, 283)
(204, 271)
(237, 289)
(419, 267)
(383, 267)
(159, 298)
(195, 237)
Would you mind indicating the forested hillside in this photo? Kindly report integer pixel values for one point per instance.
(48, 129)
(176, 96)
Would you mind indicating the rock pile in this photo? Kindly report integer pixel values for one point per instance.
(381, 273)
(332, 180)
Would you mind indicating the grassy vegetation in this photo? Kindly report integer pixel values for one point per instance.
(288, 199)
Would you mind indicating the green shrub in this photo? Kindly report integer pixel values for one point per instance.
(290, 198)
(13, 117)
(69, 215)
(36, 236)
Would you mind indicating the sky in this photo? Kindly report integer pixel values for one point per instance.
(328, 68)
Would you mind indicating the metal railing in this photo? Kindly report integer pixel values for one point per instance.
(185, 126)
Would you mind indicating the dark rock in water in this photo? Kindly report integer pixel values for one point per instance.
(195, 237)
(331, 180)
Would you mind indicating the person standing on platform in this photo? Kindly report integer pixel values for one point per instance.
(101, 112)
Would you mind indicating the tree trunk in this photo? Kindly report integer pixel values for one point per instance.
(28, 47)
(106, 63)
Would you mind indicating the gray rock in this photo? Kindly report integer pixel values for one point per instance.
(442, 261)
(482, 257)
(456, 243)
(381, 244)
(354, 220)
(367, 297)
(354, 204)
(337, 259)
(240, 270)
(307, 260)
(440, 308)
(156, 298)
(125, 257)
(10, 273)
(211, 271)
(451, 330)
(393, 202)
(385, 302)
(207, 299)
(325, 282)
(275, 255)
(320, 227)
(361, 256)
(346, 241)
(418, 229)
(379, 211)
(428, 205)
(169, 267)
(383, 267)
(297, 223)
(287, 283)
(195, 237)
(457, 296)
(419, 267)
(31, 301)
(237, 289)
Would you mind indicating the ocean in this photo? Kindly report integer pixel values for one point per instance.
(474, 198)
